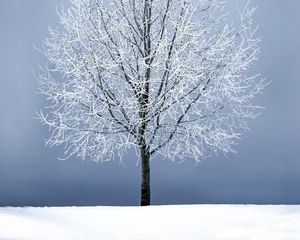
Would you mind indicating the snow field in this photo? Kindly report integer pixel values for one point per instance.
(179, 222)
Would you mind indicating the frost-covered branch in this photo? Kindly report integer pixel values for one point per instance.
(165, 75)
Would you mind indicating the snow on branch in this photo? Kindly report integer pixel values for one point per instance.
(169, 75)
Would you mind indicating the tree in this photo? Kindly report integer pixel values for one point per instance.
(166, 77)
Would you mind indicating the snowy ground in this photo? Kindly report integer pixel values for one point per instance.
(190, 222)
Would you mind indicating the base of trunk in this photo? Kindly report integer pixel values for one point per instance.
(145, 185)
(145, 196)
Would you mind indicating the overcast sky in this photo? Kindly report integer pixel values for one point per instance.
(266, 168)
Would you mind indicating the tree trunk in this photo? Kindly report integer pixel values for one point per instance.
(144, 101)
(145, 186)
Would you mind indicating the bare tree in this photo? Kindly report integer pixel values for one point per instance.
(166, 77)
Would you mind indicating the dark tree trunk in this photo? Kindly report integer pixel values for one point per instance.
(145, 186)
(144, 101)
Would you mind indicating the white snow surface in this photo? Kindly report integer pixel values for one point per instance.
(184, 222)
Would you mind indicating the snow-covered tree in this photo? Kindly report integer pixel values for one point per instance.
(166, 77)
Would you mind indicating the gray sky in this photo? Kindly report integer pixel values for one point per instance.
(265, 170)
